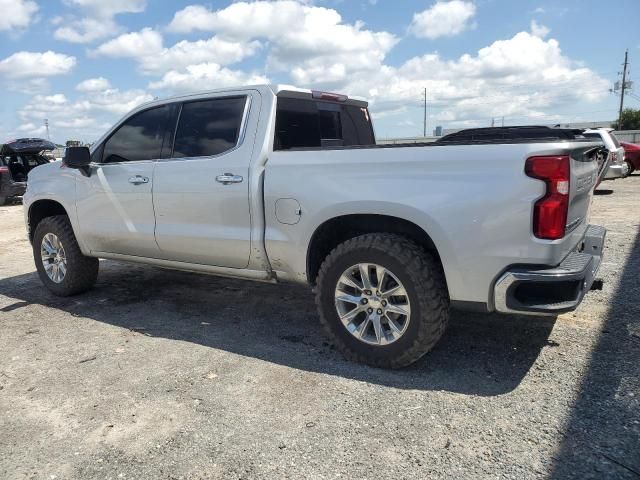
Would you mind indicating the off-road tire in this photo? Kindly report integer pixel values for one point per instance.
(422, 277)
(82, 271)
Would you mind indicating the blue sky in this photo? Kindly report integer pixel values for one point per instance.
(84, 63)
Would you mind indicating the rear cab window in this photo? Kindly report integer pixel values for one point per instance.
(310, 123)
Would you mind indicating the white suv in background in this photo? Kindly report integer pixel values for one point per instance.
(617, 166)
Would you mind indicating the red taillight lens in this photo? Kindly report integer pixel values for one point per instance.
(334, 97)
(550, 212)
(4, 169)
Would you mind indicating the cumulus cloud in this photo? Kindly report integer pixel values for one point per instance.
(93, 85)
(539, 30)
(205, 76)
(36, 64)
(17, 14)
(443, 19)
(146, 47)
(521, 76)
(98, 20)
(143, 43)
(88, 116)
(310, 39)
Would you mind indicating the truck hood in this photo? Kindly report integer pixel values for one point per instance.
(44, 171)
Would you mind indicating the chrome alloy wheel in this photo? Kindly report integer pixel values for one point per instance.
(372, 304)
(54, 258)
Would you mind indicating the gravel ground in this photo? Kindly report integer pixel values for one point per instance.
(165, 375)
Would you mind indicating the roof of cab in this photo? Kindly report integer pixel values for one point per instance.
(275, 88)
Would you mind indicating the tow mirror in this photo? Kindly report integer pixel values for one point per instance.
(78, 158)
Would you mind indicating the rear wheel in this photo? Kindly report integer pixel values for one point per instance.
(382, 299)
(61, 265)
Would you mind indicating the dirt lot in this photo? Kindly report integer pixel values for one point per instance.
(165, 375)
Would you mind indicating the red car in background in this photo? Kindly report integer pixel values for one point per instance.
(631, 155)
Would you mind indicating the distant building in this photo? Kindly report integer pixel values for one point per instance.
(438, 131)
(73, 143)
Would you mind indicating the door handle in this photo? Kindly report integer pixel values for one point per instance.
(138, 180)
(229, 178)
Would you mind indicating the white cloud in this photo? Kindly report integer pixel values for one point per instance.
(98, 20)
(87, 117)
(522, 76)
(109, 8)
(36, 64)
(16, 14)
(86, 30)
(145, 42)
(310, 39)
(93, 85)
(443, 19)
(205, 76)
(539, 30)
(146, 47)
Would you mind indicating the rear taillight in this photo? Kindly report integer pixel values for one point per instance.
(4, 170)
(550, 212)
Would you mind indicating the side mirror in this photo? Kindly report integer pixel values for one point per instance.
(77, 157)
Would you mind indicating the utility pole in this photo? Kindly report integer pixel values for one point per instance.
(503, 120)
(624, 81)
(425, 112)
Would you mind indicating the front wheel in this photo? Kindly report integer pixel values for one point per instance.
(61, 266)
(383, 300)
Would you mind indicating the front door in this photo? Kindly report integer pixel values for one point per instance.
(115, 204)
(201, 193)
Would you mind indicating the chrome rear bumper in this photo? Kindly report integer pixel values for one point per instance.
(550, 291)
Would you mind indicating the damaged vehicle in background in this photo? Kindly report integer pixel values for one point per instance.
(617, 166)
(17, 159)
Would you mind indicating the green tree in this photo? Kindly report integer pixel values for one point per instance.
(630, 120)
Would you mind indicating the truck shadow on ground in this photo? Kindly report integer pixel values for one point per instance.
(480, 354)
(602, 434)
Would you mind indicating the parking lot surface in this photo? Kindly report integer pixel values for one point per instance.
(168, 375)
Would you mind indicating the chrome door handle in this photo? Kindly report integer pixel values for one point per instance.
(138, 180)
(229, 178)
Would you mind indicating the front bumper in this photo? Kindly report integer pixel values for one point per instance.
(615, 171)
(551, 291)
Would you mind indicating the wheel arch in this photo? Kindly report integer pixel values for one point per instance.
(338, 229)
(41, 209)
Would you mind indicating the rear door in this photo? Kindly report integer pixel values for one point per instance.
(201, 193)
(115, 204)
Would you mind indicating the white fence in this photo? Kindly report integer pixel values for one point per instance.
(631, 136)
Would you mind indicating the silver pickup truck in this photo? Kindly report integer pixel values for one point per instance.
(278, 184)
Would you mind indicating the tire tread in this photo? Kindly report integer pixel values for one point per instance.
(433, 297)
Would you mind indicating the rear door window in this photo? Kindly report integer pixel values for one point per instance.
(302, 123)
(209, 127)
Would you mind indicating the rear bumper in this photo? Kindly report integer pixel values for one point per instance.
(615, 171)
(551, 291)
